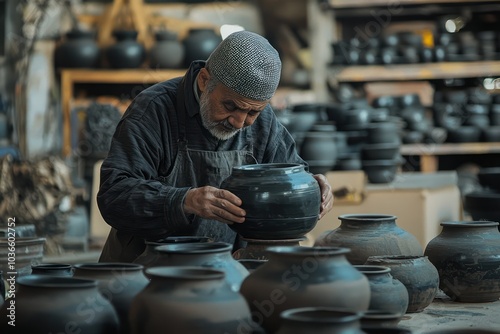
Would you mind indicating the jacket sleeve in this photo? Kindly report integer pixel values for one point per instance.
(131, 198)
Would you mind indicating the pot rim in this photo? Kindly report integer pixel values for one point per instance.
(109, 266)
(316, 251)
(194, 248)
(470, 224)
(369, 269)
(367, 217)
(51, 266)
(44, 281)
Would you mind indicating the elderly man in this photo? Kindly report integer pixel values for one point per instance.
(178, 141)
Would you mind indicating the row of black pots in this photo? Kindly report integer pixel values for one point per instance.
(80, 50)
(472, 134)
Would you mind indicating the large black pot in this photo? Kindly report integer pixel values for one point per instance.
(281, 200)
(78, 50)
(127, 52)
(199, 44)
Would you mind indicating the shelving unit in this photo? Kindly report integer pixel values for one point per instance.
(70, 77)
(327, 16)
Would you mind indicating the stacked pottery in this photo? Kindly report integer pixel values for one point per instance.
(467, 257)
(216, 255)
(319, 147)
(296, 277)
(417, 274)
(368, 235)
(47, 304)
(117, 282)
(386, 293)
(190, 300)
(380, 155)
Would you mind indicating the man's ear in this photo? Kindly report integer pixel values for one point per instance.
(203, 77)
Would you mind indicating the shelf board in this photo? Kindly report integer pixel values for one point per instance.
(450, 149)
(424, 71)
(336, 4)
(143, 75)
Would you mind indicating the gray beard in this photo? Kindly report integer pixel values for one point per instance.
(214, 128)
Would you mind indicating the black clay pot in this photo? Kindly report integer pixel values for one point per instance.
(370, 234)
(117, 282)
(47, 304)
(192, 300)
(464, 134)
(216, 255)
(167, 52)
(383, 151)
(327, 273)
(281, 200)
(78, 50)
(491, 134)
(483, 205)
(489, 177)
(381, 171)
(386, 293)
(418, 275)
(199, 44)
(127, 52)
(466, 255)
(377, 319)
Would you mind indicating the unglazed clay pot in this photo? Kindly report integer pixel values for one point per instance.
(215, 255)
(117, 282)
(52, 269)
(370, 235)
(48, 304)
(282, 200)
(190, 300)
(418, 275)
(467, 257)
(386, 293)
(319, 320)
(295, 277)
(150, 254)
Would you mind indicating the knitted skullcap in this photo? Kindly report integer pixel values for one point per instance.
(246, 63)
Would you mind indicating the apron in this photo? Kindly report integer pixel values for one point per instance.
(192, 168)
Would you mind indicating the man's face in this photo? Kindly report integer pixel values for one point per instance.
(224, 112)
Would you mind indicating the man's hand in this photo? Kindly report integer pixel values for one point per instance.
(326, 194)
(216, 204)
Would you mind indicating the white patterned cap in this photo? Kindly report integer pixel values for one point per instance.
(246, 63)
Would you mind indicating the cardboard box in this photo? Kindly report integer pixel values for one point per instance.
(421, 201)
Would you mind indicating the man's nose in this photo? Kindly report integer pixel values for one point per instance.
(238, 119)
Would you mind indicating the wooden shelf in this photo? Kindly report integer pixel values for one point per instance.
(336, 4)
(70, 77)
(424, 71)
(429, 153)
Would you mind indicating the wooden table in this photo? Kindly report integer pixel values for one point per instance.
(429, 153)
(70, 77)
